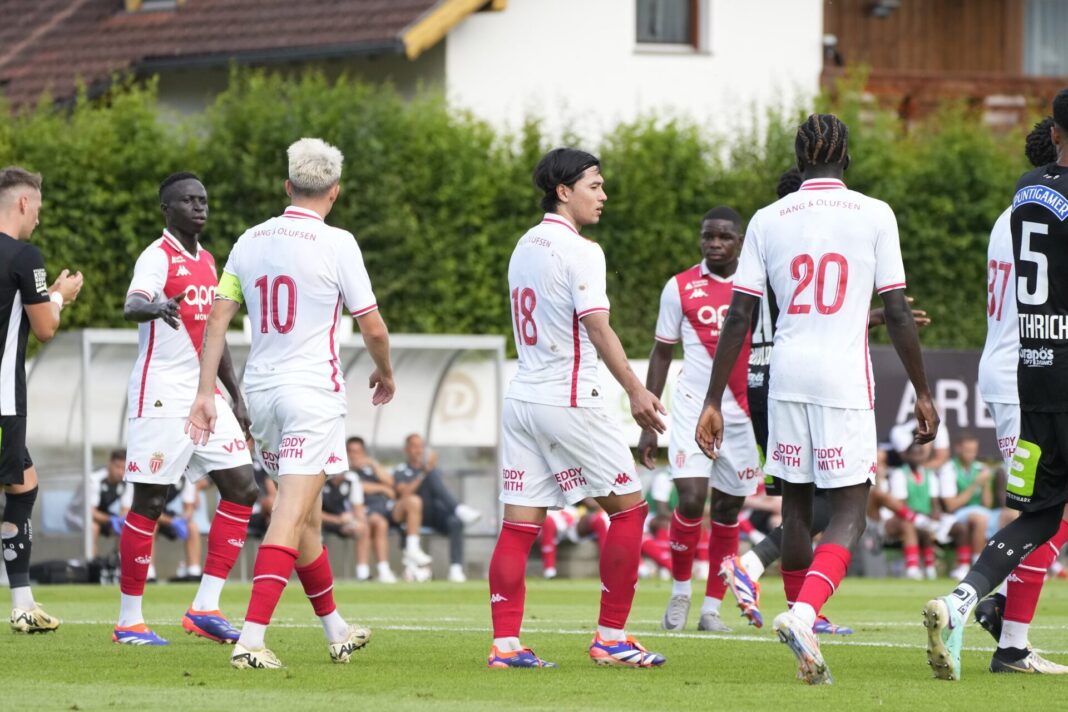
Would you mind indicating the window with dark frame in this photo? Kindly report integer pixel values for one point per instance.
(668, 22)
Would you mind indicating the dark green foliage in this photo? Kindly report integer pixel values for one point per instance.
(437, 198)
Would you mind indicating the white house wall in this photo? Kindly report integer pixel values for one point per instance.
(575, 63)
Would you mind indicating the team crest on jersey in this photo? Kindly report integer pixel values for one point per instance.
(156, 462)
(1042, 195)
(680, 459)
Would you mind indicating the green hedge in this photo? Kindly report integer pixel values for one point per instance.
(437, 198)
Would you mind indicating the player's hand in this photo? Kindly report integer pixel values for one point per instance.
(168, 311)
(984, 476)
(68, 285)
(646, 410)
(383, 386)
(243, 419)
(927, 419)
(201, 421)
(117, 523)
(877, 316)
(647, 447)
(709, 433)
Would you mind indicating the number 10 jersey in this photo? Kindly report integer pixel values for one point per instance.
(822, 250)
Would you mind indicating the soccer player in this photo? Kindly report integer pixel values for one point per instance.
(692, 306)
(559, 445)
(26, 302)
(169, 297)
(1013, 381)
(344, 515)
(294, 272)
(822, 250)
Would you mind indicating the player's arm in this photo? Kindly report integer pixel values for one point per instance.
(202, 416)
(331, 518)
(644, 406)
(668, 333)
(140, 308)
(406, 488)
(230, 383)
(43, 304)
(732, 337)
(376, 339)
(877, 316)
(906, 340)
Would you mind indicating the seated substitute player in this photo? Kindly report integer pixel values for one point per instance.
(344, 514)
(1028, 397)
(823, 250)
(916, 520)
(26, 302)
(294, 272)
(966, 496)
(692, 306)
(419, 475)
(107, 487)
(559, 445)
(169, 297)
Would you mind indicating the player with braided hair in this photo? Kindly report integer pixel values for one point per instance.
(822, 250)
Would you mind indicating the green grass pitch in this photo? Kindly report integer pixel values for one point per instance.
(429, 644)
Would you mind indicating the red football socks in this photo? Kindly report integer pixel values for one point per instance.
(791, 583)
(1025, 582)
(548, 543)
(724, 543)
(226, 537)
(318, 582)
(270, 575)
(912, 556)
(507, 577)
(620, 558)
(135, 553)
(685, 533)
(829, 564)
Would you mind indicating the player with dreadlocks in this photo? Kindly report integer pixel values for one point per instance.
(822, 250)
(1007, 614)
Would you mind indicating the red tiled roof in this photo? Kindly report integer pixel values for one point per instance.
(50, 44)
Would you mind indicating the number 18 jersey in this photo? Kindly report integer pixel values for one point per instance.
(555, 277)
(822, 250)
(294, 272)
(1040, 249)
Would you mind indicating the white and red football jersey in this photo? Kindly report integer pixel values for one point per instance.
(693, 305)
(555, 277)
(1001, 352)
(165, 376)
(295, 273)
(822, 250)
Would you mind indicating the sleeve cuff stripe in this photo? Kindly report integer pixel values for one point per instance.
(365, 310)
(887, 288)
(747, 290)
(665, 340)
(591, 311)
(139, 291)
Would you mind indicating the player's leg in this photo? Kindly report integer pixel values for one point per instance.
(135, 558)
(549, 534)
(527, 491)
(16, 540)
(378, 525)
(362, 535)
(686, 523)
(1038, 486)
(722, 545)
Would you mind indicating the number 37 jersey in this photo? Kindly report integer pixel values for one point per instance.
(822, 250)
(1040, 250)
(294, 272)
(555, 277)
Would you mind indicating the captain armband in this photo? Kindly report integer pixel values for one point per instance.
(230, 288)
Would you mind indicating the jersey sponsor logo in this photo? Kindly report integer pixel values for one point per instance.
(40, 281)
(237, 445)
(177, 259)
(270, 459)
(200, 296)
(156, 463)
(497, 598)
(828, 458)
(1007, 445)
(569, 479)
(292, 448)
(1044, 196)
(788, 454)
(749, 473)
(513, 480)
(1036, 358)
(623, 479)
(333, 459)
(1043, 326)
(182, 271)
(132, 466)
(696, 283)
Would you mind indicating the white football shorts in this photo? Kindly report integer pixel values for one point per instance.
(833, 447)
(159, 452)
(299, 430)
(1006, 427)
(553, 456)
(737, 469)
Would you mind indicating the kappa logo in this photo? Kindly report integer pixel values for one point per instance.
(332, 459)
(497, 598)
(1013, 578)
(872, 469)
(698, 293)
(622, 478)
(133, 467)
(604, 589)
(143, 560)
(236, 543)
(182, 271)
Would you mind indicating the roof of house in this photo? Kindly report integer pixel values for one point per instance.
(52, 44)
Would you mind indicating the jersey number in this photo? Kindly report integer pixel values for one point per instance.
(1041, 291)
(282, 327)
(997, 296)
(523, 303)
(804, 268)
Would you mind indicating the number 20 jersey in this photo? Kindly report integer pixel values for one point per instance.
(1040, 251)
(822, 250)
(555, 277)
